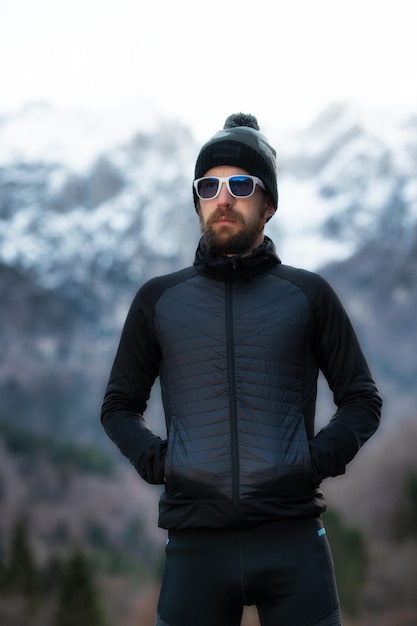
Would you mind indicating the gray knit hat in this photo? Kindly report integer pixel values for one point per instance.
(241, 144)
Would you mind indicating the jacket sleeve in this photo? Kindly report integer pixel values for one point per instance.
(341, 359)
(134, 371)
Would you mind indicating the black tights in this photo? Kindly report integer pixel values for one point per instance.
(284, 568)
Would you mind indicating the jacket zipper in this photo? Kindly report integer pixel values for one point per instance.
(232, 397)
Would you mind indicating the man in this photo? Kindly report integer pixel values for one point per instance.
(238, 340)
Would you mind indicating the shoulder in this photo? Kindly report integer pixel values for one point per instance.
(309, 282)
(320, 294)
(152, 290)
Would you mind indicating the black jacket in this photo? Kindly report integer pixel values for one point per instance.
(238, 343)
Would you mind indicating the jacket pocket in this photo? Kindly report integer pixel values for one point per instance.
(151, 464)
(168, 470)
(198, 460)
(281, 464)
(317, 476)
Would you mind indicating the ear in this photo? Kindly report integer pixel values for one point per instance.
(269, 210)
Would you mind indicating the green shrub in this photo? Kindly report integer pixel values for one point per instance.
(87, 459)
(350, 559)
(79, 600)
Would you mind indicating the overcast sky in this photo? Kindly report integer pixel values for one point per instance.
(284, 61)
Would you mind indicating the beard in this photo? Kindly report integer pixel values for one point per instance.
(220, 242)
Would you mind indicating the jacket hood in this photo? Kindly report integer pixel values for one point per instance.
(223, 267)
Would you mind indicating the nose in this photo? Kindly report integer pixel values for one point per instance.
(224, 197)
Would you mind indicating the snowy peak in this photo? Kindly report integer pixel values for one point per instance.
(354, 175)
(76, 203)
(74, 138)
(83, 196)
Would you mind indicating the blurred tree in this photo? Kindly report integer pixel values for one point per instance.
(3, 576)
(52, 574)
(20, 574)
(350, 561)
(405, 516)
(79, 602)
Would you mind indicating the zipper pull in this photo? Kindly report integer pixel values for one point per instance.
(235, 261)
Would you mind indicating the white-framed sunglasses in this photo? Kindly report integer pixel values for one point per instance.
(239, 186)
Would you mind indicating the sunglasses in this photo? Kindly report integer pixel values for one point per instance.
(240, 186)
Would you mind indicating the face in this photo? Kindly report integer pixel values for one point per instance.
(233, 225)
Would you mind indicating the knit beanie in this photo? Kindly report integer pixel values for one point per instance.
(241, 144)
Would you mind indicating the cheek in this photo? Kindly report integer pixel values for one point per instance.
(203, 214)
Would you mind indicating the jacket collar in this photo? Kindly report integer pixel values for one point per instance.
(224, 268)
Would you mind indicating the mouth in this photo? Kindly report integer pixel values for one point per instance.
(223, 218)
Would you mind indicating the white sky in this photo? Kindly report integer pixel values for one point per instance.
(284, 61)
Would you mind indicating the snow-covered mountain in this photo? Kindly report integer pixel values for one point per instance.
(81, 194)
(347, 180)
(72, 207)
(90, 208)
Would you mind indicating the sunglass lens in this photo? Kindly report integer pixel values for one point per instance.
(241, 186)
(207, 187)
